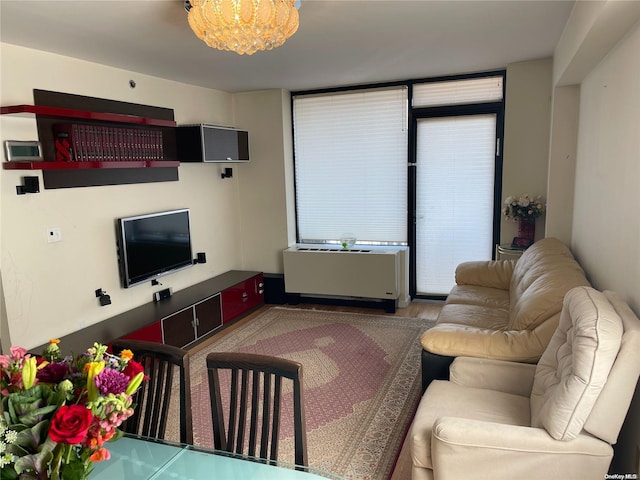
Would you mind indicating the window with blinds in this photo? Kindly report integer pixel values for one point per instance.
(458, 92)
(457, 124)
(351, 165)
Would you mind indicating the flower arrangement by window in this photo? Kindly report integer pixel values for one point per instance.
(523, 207)
(57, 412)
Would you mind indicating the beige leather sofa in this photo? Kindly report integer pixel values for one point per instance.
(557, 419)
(503, 310)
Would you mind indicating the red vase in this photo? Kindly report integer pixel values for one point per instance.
(527, 228)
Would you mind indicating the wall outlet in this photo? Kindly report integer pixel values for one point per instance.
(54, 234)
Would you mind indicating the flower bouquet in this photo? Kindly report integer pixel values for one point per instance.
(524, 210)
(56, 413)
(523, 207)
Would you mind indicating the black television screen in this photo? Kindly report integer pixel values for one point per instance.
(153, 245)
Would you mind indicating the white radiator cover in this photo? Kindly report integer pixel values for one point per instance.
(359, 272)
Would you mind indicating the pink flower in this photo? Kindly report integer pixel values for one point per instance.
(5, 361)
(17, 352)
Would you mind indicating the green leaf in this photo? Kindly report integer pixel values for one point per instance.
(38, 462)
(35, 463)
(9, 473)
(29, 440)
(31, 406)
(116, 436)
(75, 467)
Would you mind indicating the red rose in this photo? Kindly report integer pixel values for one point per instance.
(70, 424)
(132, 369)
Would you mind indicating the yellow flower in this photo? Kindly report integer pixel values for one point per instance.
(29, 372)
(54, 341)
(135, 383)
(93, 369)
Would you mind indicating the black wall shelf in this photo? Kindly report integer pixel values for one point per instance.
(53, 107)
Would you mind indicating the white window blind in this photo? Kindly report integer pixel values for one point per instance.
(351, 165)
(458, 92)
(455, 181)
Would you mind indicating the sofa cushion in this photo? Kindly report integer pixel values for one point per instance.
(479, 295)
(494, 274)
(453, 340)
(446, 399)
(541, 278)
(474, 316)
(574, 368)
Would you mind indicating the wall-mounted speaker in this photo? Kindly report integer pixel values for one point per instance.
(30, 185)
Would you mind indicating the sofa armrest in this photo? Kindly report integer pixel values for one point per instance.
(456, 340)
(494, 274)
(498, 375)
(462, 447)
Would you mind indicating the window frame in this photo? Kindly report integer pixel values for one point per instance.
(413, 114)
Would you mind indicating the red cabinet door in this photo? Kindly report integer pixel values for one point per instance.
(242, 297)
(150, 333)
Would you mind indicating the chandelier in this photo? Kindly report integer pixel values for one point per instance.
(242, 26)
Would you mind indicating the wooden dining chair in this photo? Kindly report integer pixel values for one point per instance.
(153, 398)
(254, 390)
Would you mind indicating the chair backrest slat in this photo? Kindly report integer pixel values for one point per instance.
(154, 397)
(233, 410)
(219, 438)
(260, 401)
(253, 424)
(163, 405)
(242, 419)
(275, 426)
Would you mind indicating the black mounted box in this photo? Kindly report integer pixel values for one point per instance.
(209, 143)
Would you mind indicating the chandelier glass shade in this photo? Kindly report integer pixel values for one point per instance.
(242, 26)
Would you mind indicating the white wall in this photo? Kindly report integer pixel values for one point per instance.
(606, 230)
(606, 226)
(562, 162)
(526, 144)
(264, 230)
(600, 128)
(48, 289)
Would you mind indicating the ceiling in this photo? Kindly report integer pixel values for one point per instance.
(338, 43)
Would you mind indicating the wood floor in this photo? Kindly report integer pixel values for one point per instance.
(423, 309)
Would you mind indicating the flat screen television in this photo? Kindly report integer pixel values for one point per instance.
(153, 245)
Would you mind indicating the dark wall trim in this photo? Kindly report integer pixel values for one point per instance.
(98, 177)
(107, 176)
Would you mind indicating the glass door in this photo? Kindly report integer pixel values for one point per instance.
(455, 172)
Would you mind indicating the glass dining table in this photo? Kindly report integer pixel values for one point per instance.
(138, 458)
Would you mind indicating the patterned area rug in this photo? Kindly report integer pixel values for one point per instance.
(361, 383)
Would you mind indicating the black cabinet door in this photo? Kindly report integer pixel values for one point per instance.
(208, 315)
(178, 329)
